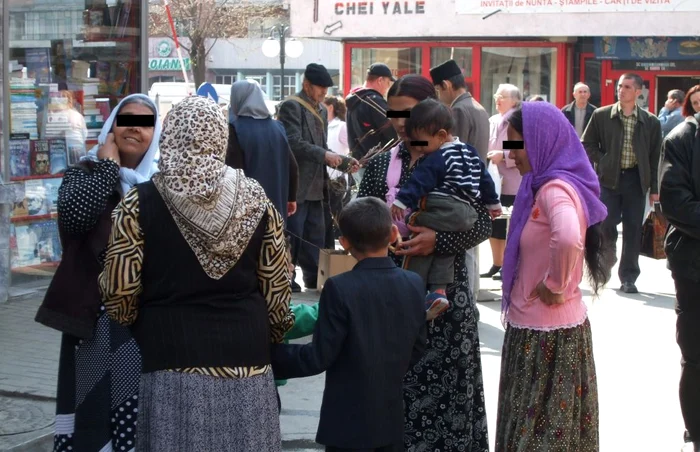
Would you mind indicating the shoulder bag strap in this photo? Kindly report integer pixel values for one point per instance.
(306, 105)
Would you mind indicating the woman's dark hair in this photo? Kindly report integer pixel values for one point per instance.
(429, 116)
(688, 109)
(338, 104)
(516, 120)
(598, 252)
(535, 98)
(415, 86)
(139, 101)
(366, 224)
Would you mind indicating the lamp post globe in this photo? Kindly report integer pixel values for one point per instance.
(271, 47)
(294, 48)
(283, 47)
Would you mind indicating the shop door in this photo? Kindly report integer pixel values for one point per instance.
(664, 84)
(646, 100)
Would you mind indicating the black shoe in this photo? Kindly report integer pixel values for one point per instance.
(628, 287)
(497, 277)
(296, 288)
(494, 269)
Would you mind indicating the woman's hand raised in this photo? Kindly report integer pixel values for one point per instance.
(422, 244)
(109, 150)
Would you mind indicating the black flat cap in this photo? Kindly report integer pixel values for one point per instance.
(381, 70)
(446, 70)
(317, 75)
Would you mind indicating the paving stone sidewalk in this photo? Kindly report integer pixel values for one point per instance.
(29, 368)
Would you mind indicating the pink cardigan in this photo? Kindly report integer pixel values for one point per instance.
(499, 133)
(558, 219)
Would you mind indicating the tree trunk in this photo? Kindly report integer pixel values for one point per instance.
(198, 58)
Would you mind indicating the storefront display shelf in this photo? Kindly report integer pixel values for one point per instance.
(43, 176)
(29, 218)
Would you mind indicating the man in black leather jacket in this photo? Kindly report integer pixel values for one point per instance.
(679, 176)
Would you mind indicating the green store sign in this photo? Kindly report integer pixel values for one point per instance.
(168, 64)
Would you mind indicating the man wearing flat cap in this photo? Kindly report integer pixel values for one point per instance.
(366, 119)
(305, 120)
(471, 126)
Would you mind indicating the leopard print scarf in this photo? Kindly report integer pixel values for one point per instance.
(216, 208)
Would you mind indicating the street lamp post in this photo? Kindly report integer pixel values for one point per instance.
(280, 46)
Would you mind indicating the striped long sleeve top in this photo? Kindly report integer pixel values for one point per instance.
(453, 170)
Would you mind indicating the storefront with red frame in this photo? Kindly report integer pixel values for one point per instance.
(662, 70)
(543, 48)
(537, 67)
(546, 68)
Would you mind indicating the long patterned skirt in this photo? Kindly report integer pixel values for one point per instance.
(444, 392)
(97, 397)
(548, 395)
(193, 412)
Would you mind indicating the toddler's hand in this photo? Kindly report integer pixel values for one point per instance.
(495, 213)
(397, 213)
(495, 156)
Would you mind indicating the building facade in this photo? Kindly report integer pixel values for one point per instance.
(242, 58)
(542, 46)
(65, 65)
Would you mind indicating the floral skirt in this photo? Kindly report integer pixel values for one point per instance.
(548, 395)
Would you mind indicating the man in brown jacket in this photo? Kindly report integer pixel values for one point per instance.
(471, 126)
(624, 143)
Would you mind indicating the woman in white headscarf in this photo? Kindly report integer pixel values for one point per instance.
(98, 373)
(196, 266)
(258, 145)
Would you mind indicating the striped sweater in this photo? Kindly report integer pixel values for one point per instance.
(453, 170)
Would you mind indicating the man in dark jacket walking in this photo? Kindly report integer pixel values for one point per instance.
(471, 126)
(305, 120)
(366, 119)
(579, 111)
(624, 143)
(680, 203)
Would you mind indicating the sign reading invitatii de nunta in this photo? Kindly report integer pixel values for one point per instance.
(574, 6)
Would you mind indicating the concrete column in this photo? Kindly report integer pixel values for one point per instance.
(299, 76)
(269, 85)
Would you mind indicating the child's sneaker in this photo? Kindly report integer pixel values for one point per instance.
(435, 304)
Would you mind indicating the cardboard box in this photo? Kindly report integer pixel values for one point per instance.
(331, 263)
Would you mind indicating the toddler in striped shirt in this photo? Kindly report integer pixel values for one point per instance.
(442, 192)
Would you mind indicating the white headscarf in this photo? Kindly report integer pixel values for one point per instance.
(129, 177)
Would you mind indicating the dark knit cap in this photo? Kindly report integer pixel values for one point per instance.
(317, 75)
(445, 71)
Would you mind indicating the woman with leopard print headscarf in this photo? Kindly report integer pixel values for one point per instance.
(196, 265)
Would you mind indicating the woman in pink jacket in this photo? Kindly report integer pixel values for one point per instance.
(507, 98)
(548, 395)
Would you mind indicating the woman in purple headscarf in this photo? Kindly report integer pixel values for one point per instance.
(548, 396)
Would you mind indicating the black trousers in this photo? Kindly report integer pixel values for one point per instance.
(688, 339)
(308, 223)
(626, 205)
(390, 448)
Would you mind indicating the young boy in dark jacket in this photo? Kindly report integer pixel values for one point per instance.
(371, 328)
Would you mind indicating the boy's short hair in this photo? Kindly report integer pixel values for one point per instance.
(366, 224)
(429, 116)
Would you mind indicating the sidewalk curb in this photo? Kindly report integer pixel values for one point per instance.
(41, 443)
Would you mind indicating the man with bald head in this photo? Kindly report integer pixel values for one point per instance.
(580, 110)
